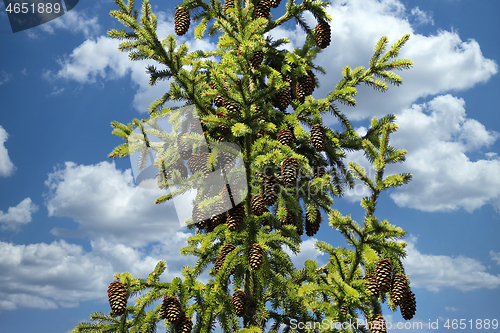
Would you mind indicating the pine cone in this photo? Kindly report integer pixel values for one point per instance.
(311, 82)
(230, 107)
(185, 149)
(117, 296)
(383, 272)
(371, 284)
(284, 99)
(235, 217)
(275, 3)
(181, 21)
(215, 221)
(258, 205)
(285, 137)
(399, 287)
(319, 172)
(226, 249)
(185, 325)
(318, 137)
(322, 34)
(239, 302)
(227, 196)
(377, 324)
(256, 60)
(255, 256)
(171, 309)
(289, 171)
(219, 101)
(263, 9)
(313, 227)
(228, 4)
(408, 305)
(270, 189)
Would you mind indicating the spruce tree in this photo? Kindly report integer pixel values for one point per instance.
(258, 97)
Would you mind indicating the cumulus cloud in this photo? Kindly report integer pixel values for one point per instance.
(18, 215)
(100, 59)
(442, 61)
(106, 204)
(6, 165)
(434, 272)
(47, 276)
(495, 256)
(440, 138)
(74, 21)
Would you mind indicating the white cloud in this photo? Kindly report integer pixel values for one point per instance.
(4, 77)
(421, 17)
(107, 204)
(17, 216)
(445, 178)
(47, 276)
(439, 136)
(100, 59)
(6, 165)
(307, 251)
(495, 256)
(74, 21)
(442, 62)
(434, 272)
(450, 309)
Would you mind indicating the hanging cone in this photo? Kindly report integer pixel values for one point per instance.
(215, 221)
(318, 137)
(228, 4)
(371, 284)
(275, 3)
(263, 9)
(171, 309)
(399, 287)
(185, 325)
(322, 34)
(289, 171)
(377, 324)
(258, 205)
(290, 219)
(235, 217)
(383, 272)
(344, 309)
(313, 227)
(239, 301)
(285, 137)
(319, 172)
(270, 189)
(408, 305)
(184, 148)
(256, 60)
(181, 21)
(284, 99)
(117, 296)
(311, 79)
(230, 107)
(199, 163)
(227, 197)
(255, 256)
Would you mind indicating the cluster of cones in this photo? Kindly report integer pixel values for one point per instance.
(255, 256)
(171, 310)
(383, 281)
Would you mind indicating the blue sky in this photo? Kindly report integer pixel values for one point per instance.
(70, 218)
